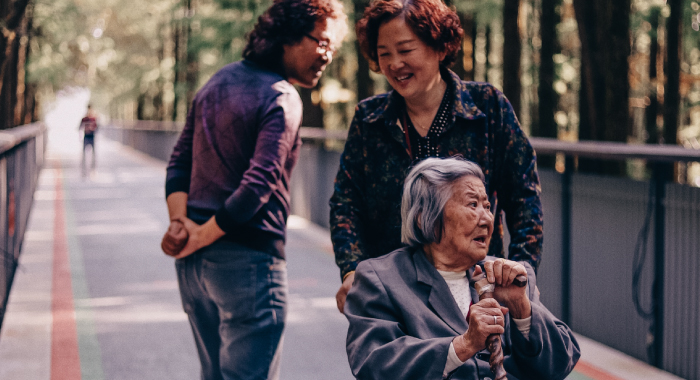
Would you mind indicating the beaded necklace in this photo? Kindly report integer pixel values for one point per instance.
(428, 146)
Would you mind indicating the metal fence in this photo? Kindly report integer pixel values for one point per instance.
(156, 139)
(593, 227)
(21, 158)
(616, 230)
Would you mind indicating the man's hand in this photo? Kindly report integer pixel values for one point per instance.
(200, 236)
(343, 291)
(175, 238)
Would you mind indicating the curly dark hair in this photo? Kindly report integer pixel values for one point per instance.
(431, 20)
(285, 23)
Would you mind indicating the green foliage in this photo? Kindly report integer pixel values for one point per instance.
(111, 46)
(123, 49)
(218, 30)
(57, 46)
(484, 11)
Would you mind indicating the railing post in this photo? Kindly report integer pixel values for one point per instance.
(659, 179)
(566, 200)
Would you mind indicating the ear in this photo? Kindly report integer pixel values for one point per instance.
(439, 228)
(418, 224)
(442, 54)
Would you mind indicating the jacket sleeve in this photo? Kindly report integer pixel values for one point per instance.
(180, 166)
(549, 352)
(347, 200)
(377, 346)
(278, 132)
(519, 185)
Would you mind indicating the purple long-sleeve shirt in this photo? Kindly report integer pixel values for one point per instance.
(236, 152)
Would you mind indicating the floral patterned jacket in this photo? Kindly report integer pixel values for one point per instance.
(365, 215)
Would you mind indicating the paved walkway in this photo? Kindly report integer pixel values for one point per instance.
(94, 298)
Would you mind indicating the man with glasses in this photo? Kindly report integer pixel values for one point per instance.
(324, 47)
(227, 188)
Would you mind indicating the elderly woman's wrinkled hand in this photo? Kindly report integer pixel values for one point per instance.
(503, 272)
(486, 317)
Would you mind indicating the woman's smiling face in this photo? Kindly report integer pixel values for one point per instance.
(411, 67)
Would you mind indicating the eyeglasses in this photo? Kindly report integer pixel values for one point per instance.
(323, 46)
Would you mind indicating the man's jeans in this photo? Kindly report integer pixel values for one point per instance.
(236, 300)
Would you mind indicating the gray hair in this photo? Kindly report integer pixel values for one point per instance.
(428, 187)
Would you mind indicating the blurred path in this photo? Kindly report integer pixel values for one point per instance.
(98, 270)
(94, 297)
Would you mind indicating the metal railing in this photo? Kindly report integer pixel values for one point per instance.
(620, 214)
(656, 154)
(21, 158)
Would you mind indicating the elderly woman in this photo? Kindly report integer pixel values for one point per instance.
(429, 113)
(412, 312)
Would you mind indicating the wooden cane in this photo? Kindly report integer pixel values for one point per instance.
(485, 290)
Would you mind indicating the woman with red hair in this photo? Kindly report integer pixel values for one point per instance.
(430, 112)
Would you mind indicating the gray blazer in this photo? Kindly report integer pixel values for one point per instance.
(403, 318)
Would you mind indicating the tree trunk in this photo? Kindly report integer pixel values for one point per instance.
(464, 64)
(511, 53)
(672, 91)
(548, 98)
(12, 18)
(9, 88)
(140, 111)
(31, 113)
(604, 96)
(159, 98)
(487, 52)
(312, 113)
(158, 103)
(23, 53)
(672, 98)
(192, 76)
(365, 84)
(191, 62)
(178, 77)
(652, 109)
(466, 58)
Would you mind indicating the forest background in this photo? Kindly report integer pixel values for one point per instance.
(624, 70)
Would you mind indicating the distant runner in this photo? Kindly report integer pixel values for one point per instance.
(89, 126)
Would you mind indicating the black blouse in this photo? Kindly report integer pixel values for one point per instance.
(424, 147)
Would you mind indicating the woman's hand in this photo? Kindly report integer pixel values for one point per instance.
(481, 324)
(342, 293)
(503, 272)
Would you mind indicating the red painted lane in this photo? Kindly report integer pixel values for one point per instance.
(65, 360)
(593, 372)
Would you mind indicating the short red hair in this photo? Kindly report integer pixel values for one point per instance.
(431, 20)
